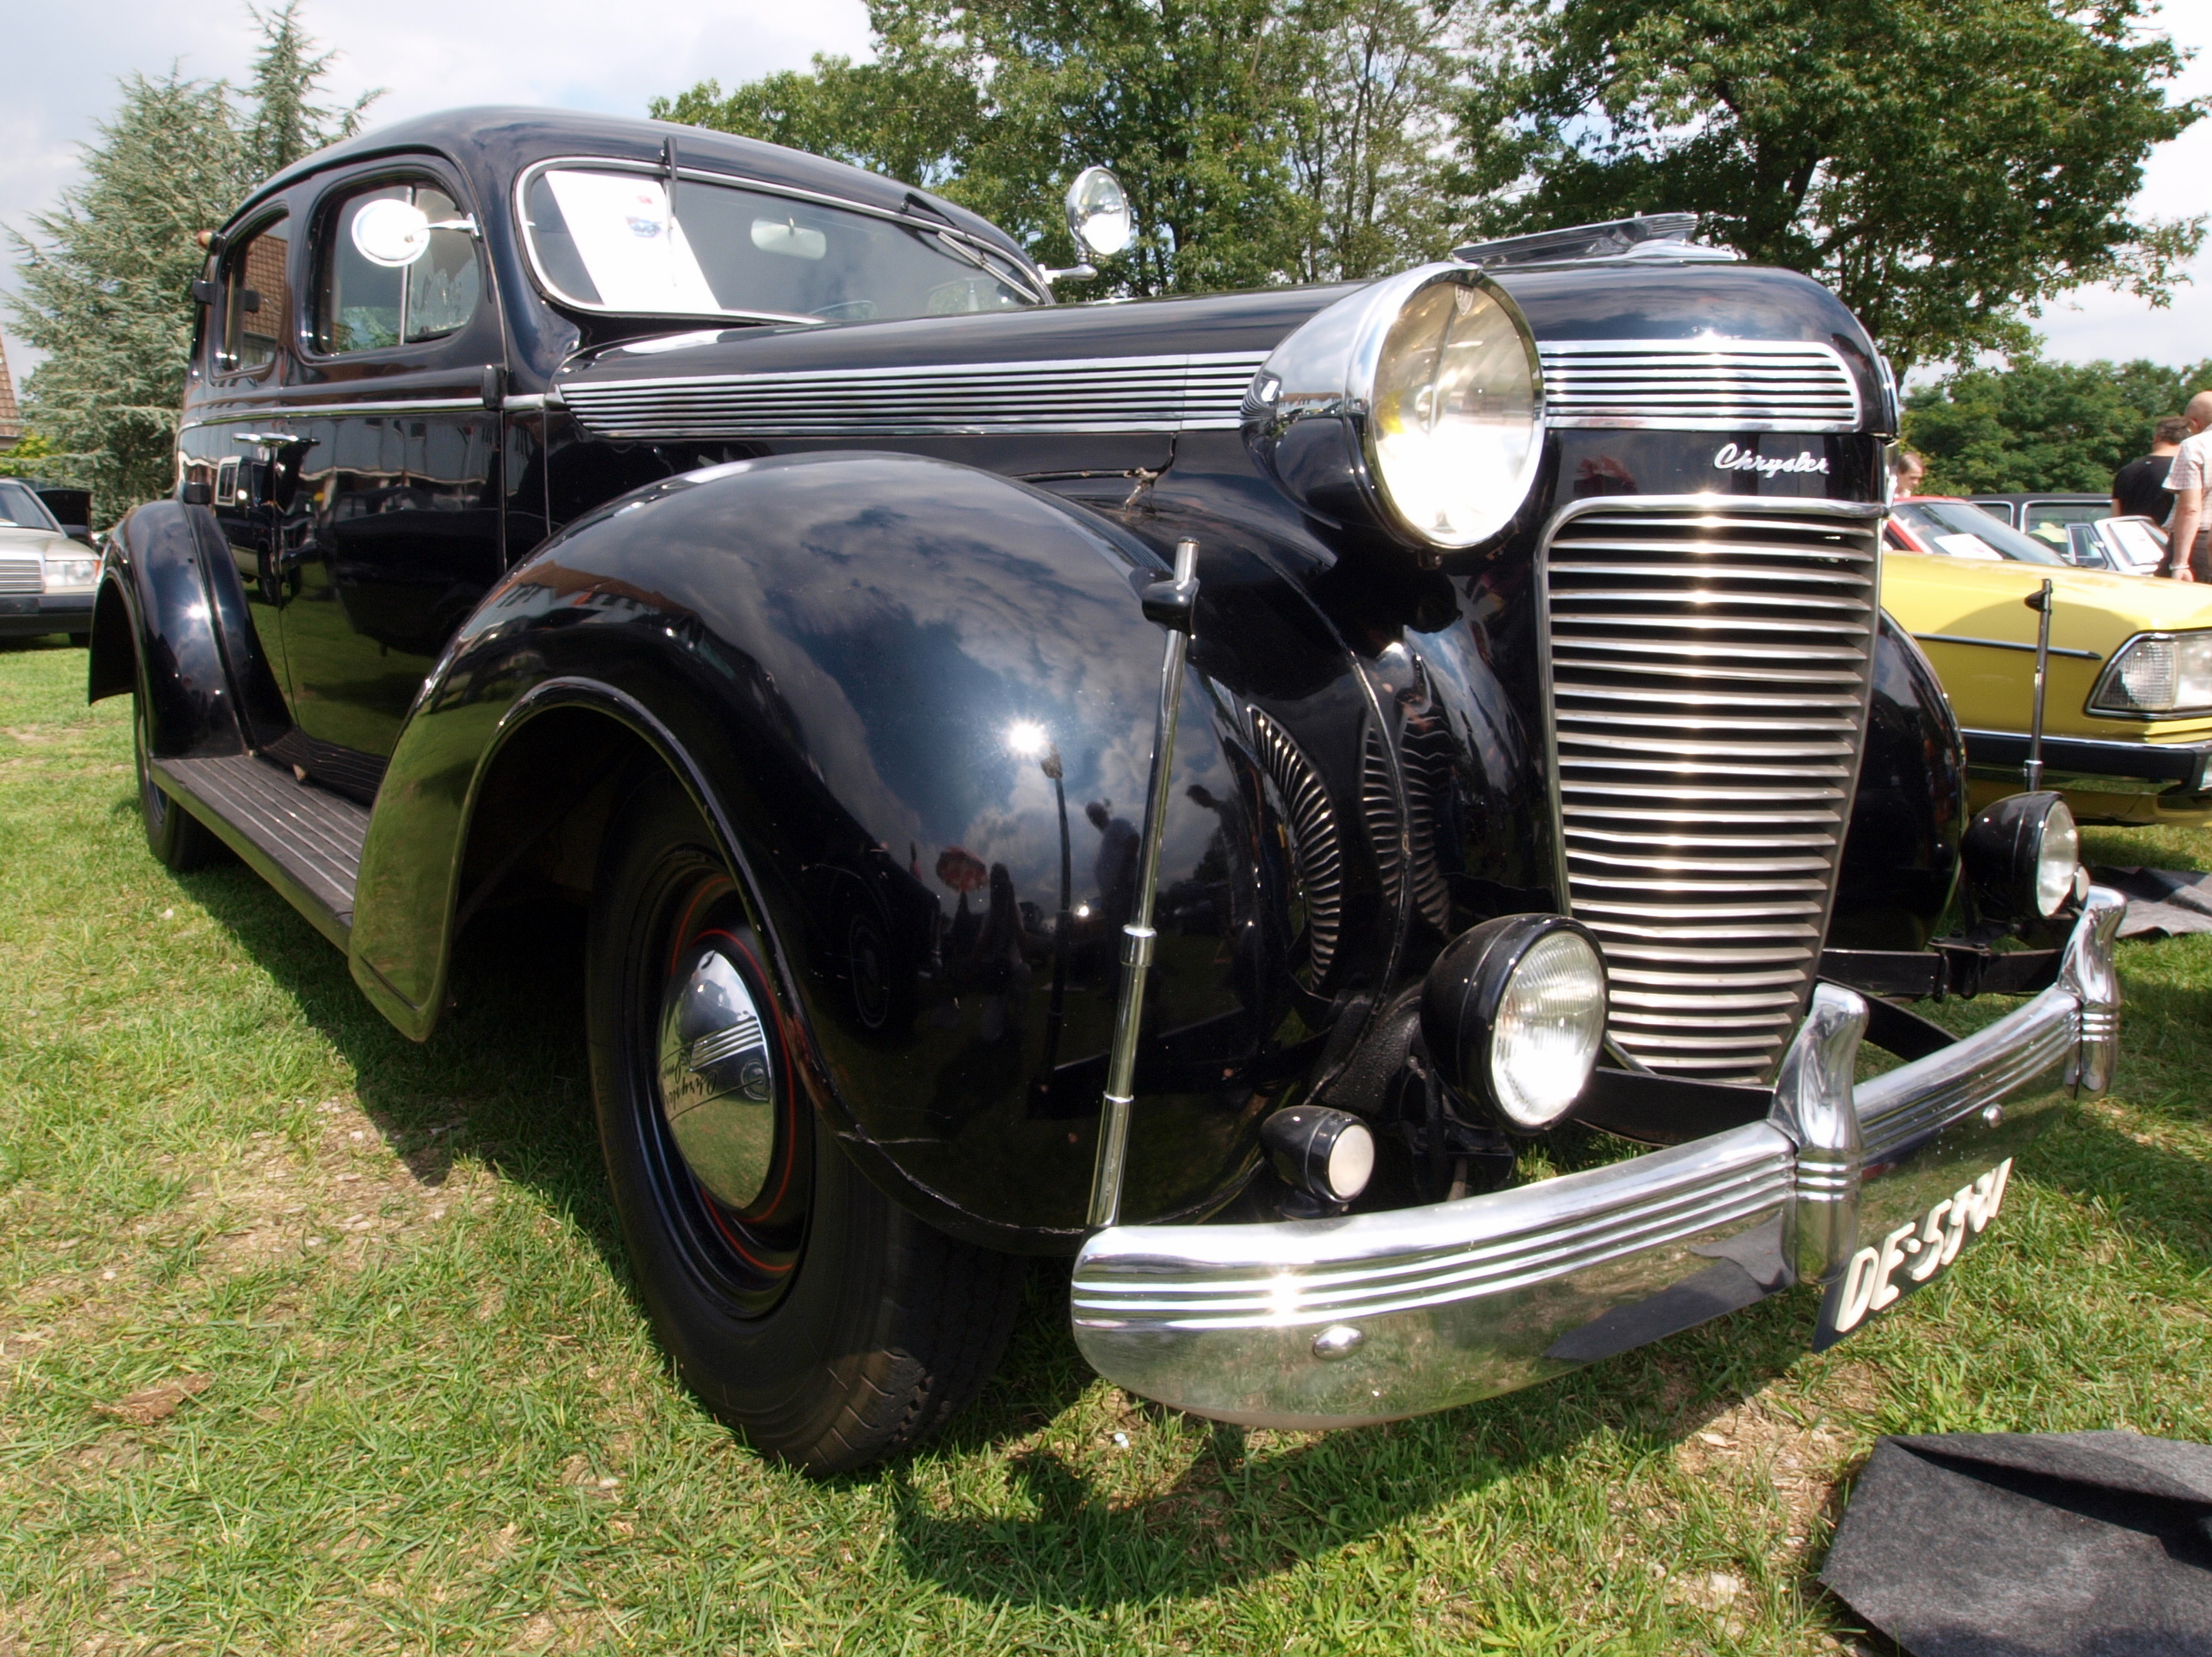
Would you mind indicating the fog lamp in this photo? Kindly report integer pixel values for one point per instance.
(1513, 1013)
(1328, 1154)
(2021, 857)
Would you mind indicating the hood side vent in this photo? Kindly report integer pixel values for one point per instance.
(1316, 859)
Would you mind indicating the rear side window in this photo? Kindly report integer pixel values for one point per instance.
(256, 298)
(374, 294)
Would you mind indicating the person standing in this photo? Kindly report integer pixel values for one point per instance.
(2189, 535)
(2139, 487)
(1906, 470)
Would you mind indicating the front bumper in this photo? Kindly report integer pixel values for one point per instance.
(31, 616)
(1372, 1317)
(2095, 764)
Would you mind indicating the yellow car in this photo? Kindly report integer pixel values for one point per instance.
(2127, 725)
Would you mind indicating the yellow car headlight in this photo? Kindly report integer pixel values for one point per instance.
(2157, 673)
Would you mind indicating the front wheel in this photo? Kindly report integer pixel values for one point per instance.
(801, 1304)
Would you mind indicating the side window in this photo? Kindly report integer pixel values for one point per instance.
(256, 298)
(381, 287)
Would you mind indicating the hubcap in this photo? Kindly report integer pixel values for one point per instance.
(718, 1082)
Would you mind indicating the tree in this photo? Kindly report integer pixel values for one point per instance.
(1259, 140)
(106, 280)
(1944, 165)
(2039, 425)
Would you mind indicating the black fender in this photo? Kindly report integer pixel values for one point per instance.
(170, 607)
(1901, 854)
(867, 669)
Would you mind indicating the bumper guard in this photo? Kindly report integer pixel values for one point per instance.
(1374, 1317)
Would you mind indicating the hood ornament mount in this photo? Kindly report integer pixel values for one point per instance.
(1645, 236)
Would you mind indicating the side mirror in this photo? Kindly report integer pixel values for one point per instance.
(1098, 213)
(391, 233)
(198, 492)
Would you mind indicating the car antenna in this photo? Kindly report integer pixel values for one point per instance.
(2040, 603)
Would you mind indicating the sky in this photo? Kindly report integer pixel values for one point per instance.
(65, 59)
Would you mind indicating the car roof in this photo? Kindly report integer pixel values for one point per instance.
(499, 140)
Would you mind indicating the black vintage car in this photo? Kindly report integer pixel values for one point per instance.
(1235, 791)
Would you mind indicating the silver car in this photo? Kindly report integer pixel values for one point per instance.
(47, 580)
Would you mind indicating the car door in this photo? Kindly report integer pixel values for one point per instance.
(394, 533)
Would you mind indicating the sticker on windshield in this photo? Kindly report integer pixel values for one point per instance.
(1967, 546)
(633, 250)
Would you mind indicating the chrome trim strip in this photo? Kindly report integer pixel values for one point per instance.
(308, 410)
(2002, 644)
(1699, 385)
(1181, 392)
(1323, 1323)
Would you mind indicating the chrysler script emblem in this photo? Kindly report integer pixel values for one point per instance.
(1734, 459)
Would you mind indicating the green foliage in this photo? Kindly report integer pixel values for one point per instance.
(1259, 141)
(2039, 425)
(1943, 165)
(105, 279)
(33, 456)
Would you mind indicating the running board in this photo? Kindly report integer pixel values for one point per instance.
(304, 841)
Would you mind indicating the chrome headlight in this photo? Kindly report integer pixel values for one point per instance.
(2157, 673)
(1416, 406)
(1513, 1013)
(2023, 858)
(72, 574)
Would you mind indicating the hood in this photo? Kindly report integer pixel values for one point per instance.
(17, 542)
(2092, 609)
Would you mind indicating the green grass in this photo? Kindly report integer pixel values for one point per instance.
(432, 1420)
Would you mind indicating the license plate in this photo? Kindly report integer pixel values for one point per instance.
(1885, 1271)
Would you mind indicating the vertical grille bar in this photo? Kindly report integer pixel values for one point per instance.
(1710, 663)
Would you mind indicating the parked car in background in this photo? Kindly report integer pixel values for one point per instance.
(2128, 708)
(1200, 787)
(46, 579)
(2081, 529)
(70, 504)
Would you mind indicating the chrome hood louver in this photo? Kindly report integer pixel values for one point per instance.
(1709, 664)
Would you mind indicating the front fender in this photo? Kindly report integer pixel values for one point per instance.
(1909, 817)
(869, 667)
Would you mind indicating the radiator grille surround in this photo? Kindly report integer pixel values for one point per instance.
(1708, 667)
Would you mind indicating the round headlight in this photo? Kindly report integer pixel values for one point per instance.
(1451, 428)
(1416, 406)
(2021, 857)
(1513, 1013)
(2055, 860)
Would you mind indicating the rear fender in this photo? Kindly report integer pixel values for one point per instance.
(170, 607)
(861, 666)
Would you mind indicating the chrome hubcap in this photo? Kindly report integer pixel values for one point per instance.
(717, 1076)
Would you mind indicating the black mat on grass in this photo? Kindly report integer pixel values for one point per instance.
(2161, 902)
(2031, 1545)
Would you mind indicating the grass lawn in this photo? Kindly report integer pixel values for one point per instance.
(314, 1340)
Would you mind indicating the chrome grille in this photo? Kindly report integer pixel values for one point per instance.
(1710, 668)
(1097, 394)
(1698, 384)
(19, 576)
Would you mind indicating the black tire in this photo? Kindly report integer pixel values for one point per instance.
(179, 841)
(820, 1319)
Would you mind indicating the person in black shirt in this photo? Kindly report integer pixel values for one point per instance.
(2139, 487)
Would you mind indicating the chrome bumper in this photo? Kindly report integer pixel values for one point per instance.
(1332, 1323)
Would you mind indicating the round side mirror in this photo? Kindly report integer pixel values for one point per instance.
(392, 232)
(1098, 213)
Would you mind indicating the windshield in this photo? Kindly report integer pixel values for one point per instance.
(19, 507)
(606, 240)
(1964, 530)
